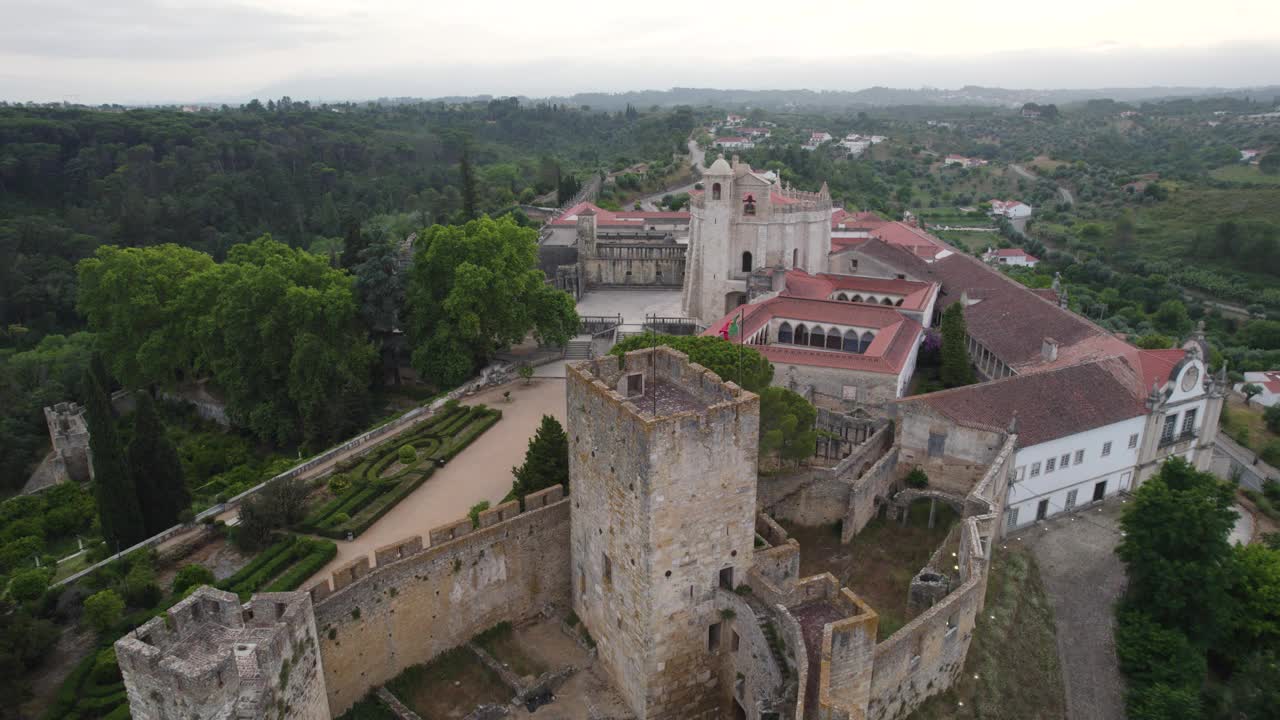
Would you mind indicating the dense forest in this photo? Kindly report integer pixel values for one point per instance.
(345, 182)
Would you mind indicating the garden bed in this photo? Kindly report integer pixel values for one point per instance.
(282, 567)
(381, 478)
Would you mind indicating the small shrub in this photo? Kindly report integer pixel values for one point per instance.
(105, 668)
(917, 479)
(190, 576)
(103, 610)
(1271, 453)
(339, 484)
(28, 585)
(474, 512)
(407, 454)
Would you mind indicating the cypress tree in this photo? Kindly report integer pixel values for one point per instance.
(546, 462)
(156, 470)
(118, 512)
(955, 370)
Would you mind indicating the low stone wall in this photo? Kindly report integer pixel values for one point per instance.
(793, 642)
(375, 621)
(844, 493)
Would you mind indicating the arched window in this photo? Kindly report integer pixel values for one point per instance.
(886, 301)
(795, 257)
(865, 342)
(749, 205)
(850, 341)
(856, 298)
(833, 339)
(784, 333)
(817, 338)
(746, 262)
(842, 297)
(870, 299)
(715, 191)
(802, 335)
(899, 303)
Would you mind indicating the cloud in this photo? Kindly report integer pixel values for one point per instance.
(150, 30)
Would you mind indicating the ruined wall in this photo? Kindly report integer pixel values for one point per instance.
(750, 674)
(965, 454)
(376, 622)
(846, 493)
(848, 646)
(874, 390)
(925, 656)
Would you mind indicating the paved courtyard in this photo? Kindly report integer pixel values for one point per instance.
(632, 305)
(1083, 578)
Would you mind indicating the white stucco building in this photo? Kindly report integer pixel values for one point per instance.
(1269, 381)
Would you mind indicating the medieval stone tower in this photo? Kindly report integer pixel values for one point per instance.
(211, 658)
(742, 222)
(662, 465)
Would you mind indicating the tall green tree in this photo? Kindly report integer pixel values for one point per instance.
(956, 370)
(474, 289)
(118, 510)
(546, 462)
(1175, 550)
(787, 425)
(156, 469)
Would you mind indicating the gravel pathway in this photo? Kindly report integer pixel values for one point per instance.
(1083, 578)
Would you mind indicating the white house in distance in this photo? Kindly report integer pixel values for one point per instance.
(754, 132)
(1269, 381)
(1010, 256)
(1012, 209)
(964, 162)
(1248, 155)
(734, 143)
(733, 120)
(816, 139)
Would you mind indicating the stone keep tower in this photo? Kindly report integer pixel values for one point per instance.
(213, 658)
(662, 466)
(69, 436)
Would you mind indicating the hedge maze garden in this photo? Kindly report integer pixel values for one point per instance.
(367, 488)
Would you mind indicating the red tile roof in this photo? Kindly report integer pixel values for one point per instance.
(613, 218)
(916, 295)
(896, 334)
(1049, 405)
(1015, 252)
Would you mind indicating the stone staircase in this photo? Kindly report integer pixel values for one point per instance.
(578, 348)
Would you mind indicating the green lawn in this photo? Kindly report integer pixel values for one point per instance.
(1244, 174)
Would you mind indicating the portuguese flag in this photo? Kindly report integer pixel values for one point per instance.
(731, 328)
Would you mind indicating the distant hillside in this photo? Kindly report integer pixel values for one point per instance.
(884, 97)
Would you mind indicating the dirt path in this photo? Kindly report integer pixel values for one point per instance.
(1083, 578)
(481, 472)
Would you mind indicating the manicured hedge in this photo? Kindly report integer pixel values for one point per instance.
(371, 496)
(323, 551)
(263, 558)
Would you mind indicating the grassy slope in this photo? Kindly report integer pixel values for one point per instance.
(1245, 174)
(1167, 230)
(1012, 671)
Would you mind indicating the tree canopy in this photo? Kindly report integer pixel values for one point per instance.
(546, 462)
(475, 289)
(956, 370)
(276, 329)
(787, 425)
(741, 364)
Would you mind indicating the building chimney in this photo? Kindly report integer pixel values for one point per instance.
(1049, 349)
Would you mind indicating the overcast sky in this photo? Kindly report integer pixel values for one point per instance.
(128, 51)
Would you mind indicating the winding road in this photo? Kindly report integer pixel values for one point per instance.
(697, 157)
(1063, 192)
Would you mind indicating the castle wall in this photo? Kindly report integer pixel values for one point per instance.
(212, 658)
(661, 506)
(649, 265)
(422, 603)
(848, 647)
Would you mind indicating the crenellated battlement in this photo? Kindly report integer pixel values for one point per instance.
(210, 656)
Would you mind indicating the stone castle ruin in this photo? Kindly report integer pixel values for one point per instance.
(69, 436)
(668, 553)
